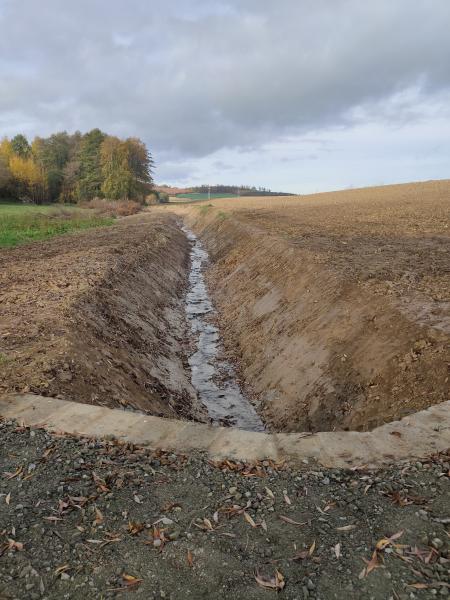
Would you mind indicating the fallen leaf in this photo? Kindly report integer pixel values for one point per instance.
(270, 493)
(337, 550)
(98, 517)
(129, 580)
(385, 542)
(276, 582)
(15, 474)
(61, 569)
(346, 528)
(134, 527)
(291, 521)
(418, 586)
(190, 558)
(372, 564)
(301, 555)
(13, 545)
(8, 498)
(249, 520)
(312, 548)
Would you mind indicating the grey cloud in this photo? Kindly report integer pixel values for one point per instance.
(193, 76)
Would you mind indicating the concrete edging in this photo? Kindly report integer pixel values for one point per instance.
(415, 436)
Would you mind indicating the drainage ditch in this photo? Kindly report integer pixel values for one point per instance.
(213, 377)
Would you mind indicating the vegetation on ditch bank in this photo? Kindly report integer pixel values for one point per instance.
(74, 168)
(24, 223)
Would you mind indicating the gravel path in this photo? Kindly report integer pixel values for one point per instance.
(86, 519)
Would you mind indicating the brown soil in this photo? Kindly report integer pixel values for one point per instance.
(336, 305)
(97, 317)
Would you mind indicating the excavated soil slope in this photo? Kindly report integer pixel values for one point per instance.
(98, 317)
(336, 305)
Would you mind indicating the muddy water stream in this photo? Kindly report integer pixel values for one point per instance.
(213, 377)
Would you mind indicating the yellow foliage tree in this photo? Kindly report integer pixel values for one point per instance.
(30, 177)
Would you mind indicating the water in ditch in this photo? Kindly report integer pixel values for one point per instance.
(213, 377)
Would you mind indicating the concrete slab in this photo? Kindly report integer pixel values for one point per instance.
(415, 436)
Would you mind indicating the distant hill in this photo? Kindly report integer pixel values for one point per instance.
(217, 191)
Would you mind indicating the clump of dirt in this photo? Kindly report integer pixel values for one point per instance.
(86, 519)
(336, 305)
(98, 317)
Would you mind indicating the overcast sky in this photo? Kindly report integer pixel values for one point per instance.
(295, 95)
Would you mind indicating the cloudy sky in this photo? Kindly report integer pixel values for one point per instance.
(295, 95)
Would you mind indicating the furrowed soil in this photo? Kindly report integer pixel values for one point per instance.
(98, 317)
(335, 306)
(84, 519)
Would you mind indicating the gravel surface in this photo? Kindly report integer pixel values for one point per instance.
(81, 518)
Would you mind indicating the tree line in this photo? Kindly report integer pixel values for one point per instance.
(242, 190)
(74, 168)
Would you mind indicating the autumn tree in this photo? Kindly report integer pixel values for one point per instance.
(52, 155)
(29, 178)
(126, 169)
(73, 168)
(141, 165)
(5, 173)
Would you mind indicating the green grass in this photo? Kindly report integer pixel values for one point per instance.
(3, 359)
(204, 208)
(22, 223)
(204, 196)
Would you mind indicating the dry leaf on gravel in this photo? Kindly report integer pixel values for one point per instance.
(337, 550)
(373, 563)
(15, 474)
(134, 527)
(276, 582)
(346, 528)
(291, 521)
(249, 520)
(286, 498)
(98, 517)
(130, 581)
(8, 498)
(385, 542)
(170, 506)
(301, 555)
(190, 559)
(270, 493)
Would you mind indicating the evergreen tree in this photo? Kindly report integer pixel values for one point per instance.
(20, 146)
(90, 177)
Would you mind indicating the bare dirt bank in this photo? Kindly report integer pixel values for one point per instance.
(336, 306)
(98, 317)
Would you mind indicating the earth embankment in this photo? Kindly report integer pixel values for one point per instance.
(98, 317)
(336, 306)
